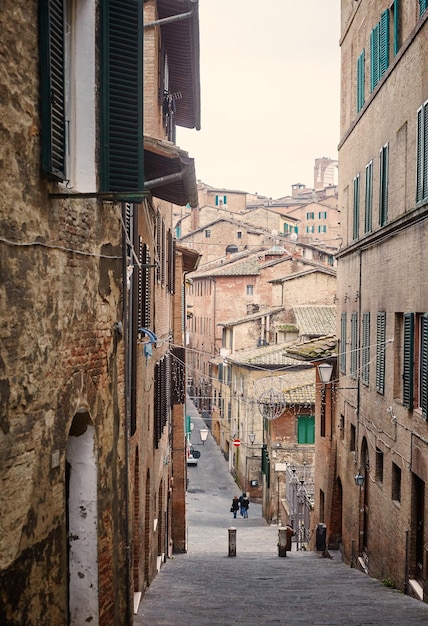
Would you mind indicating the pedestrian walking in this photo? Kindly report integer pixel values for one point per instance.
(245, 503)
(235, 506)
(241, 497)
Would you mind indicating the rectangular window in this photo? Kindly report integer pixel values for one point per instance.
(422, 154)
(352, 438)
(360, 81)
(239, 234)
(310, 229)
(249, 290)
(365, 354)
(380, 351)
(379, 49)
(396, 483)
(379, 465)
(408, 360)
(207, 233)
(383, 185)
(396, 18)
(306, 429)
(122, 149)
(322, 215)
(342, 355)
(220, 200)
(322, 228)
(356, 208)
(423, 368)
(423, 6)
(310, 215)
(354, 344)
(368, 207)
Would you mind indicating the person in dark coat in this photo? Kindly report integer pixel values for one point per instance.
(245, 503)
(235, 506)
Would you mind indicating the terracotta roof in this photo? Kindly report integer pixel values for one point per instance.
(275, 355)
(252, 317)
(314, 350)
(315, 320)
(304, 394)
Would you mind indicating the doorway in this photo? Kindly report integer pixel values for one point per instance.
(82, 522)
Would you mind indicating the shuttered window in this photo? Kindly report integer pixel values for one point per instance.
(379, 50)
(354, 344)
(52, 87)
(374, 57)
(306, 429)
(423, 6)
(121, 153)
(365, 354)
(356, 208)
(408, 359)
(424, 366)
(144, 286)
(162, 397)
(383, 185)
(422, 154)
(396, 13)
(380, 351)
(360, 81)
(171, 262)
(342, 357)
(368, 204)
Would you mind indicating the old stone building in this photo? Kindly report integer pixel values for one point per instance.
(380, 430)
(92, 333)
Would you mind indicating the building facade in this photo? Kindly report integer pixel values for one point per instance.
(90, 301)
(380, 389)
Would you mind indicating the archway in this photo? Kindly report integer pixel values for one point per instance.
(82, 521)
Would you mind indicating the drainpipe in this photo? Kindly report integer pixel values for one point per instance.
(129, 604)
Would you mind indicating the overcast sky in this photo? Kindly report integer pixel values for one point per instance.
(269, 93)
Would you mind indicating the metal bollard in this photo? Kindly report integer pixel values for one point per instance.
(282, 542)
(232, 541)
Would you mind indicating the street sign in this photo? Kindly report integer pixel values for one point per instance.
(236, 443)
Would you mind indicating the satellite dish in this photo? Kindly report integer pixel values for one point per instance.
(293, 236)
(274, 232)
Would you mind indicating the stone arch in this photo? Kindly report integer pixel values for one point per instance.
(82, 521)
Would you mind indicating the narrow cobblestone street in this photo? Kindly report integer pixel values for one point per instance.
(206, 587)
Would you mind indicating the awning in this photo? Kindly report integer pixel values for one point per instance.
(169, 172)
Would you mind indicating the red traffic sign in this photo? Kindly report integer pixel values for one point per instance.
(236, 443)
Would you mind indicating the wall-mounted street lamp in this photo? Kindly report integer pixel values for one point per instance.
(203, 433)
(325, 371)
(251, 438)
(359, 479)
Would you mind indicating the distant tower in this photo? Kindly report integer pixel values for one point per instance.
(325, 173)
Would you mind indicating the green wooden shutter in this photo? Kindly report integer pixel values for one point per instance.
(342, 359)
(122, 150)
(360, 81)
(356, 213)
(52, 94)
(408, 359)
(380, 351)
(383, 185)
(374, 57)
(365, 365)
(423, 5)
(424, 366)
(354, 344)
(396, 9)
(368, 198)
(383, 43)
